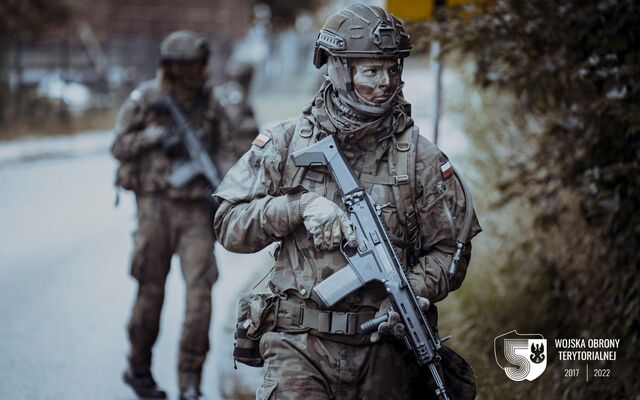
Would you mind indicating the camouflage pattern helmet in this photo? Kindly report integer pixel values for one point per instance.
(184, 46)
(361, 31)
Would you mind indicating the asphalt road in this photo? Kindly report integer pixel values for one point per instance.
(65, 293)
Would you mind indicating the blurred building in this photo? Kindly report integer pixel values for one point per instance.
(113, 44)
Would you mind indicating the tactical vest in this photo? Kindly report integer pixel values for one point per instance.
(401, 179)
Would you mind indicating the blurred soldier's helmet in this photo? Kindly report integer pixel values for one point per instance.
(184, 46)
(360, 31)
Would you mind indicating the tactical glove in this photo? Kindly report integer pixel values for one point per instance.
(326, 222)
(160, 136)
(393, 327)
(153, 134)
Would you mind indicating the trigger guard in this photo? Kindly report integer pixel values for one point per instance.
(346, 250)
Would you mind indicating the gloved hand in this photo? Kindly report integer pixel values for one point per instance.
(393, 327)
(326, 222)
(155, 135)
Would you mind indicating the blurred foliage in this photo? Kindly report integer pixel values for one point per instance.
(559, 89)
(284, 12)
(23, 20)
(30, 18)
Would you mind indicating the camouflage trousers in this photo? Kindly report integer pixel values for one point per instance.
(165, 228)
(304, 366)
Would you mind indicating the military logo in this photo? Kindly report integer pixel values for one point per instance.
(521, 356)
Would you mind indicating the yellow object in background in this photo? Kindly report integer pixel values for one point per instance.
(421, 10)
(411, 10)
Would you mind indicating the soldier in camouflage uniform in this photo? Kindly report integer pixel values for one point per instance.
(171, 220)
(318, 353)
(233, 96)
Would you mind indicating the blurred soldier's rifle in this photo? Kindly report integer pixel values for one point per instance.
(200, 162)
(374, 259)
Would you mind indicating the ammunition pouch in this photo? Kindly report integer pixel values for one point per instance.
(256, 316)
(128, 176)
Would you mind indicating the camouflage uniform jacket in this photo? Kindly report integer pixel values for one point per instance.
(145, 166)
(259, 205)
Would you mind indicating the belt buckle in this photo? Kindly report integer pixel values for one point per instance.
(343, 323)
(400, 179)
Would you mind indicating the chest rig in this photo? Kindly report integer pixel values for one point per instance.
(401, 161)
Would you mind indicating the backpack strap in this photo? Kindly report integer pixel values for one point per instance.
(402, 165)
(303, 136)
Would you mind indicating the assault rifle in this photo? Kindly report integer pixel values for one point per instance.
(374, 259)
(200, 161)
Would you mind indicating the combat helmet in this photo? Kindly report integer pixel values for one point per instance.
(184, 45)
(360, 31)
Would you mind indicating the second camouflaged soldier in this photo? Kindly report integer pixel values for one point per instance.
(311, 352)
(171, 220)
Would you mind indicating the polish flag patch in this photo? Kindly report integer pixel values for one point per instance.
(261, 140)
(446, 170)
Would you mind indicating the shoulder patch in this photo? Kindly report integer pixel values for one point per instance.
(261, 140)
(446, 169)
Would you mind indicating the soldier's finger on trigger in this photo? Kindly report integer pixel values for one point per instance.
(348, 231)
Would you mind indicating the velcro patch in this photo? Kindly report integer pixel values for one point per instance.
(261, 140)
(446, 170)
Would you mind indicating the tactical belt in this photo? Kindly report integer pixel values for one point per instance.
(296, 315)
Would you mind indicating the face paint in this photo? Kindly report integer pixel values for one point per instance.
(376, 80)
(190, 75)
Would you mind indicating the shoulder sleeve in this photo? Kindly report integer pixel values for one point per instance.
(253, 213)
(442, 206)
(130, 120)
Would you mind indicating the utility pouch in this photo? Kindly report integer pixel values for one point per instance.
(127, 176)
(257, 314)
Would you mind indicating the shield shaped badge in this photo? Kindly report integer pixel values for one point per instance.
(521, 356)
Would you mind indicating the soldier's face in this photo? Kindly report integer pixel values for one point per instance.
(188, 75)
(376, 80)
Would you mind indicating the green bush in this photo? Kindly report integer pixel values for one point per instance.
(560, 89)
